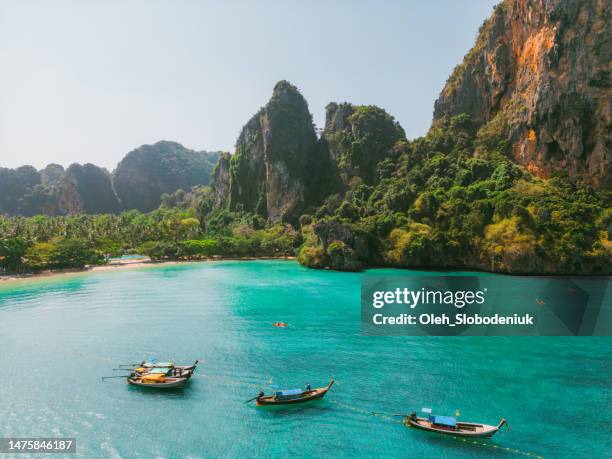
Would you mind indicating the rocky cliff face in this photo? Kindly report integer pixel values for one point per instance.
(52, 174)
(357, 138)
(140, 179)
(15, 184)
(87, 189)
(53, 191)
(539, 77)
(345, 249)
(274, 169)
(221, 178)
(147, 172)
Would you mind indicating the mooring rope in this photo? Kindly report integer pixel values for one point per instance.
(492, 446)
(233, 382)
(366, 412)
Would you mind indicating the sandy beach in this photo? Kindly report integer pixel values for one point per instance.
(129, 263)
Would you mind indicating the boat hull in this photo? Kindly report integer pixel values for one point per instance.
(179, 383)
(177, 372)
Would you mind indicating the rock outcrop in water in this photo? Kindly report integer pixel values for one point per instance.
(345, 249)
(274, 169)
(164, 167)
(539, 77)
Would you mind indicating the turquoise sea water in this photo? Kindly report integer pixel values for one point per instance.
(59, 335)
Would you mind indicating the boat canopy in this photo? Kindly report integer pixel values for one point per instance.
(160, 370)
(288, 392)
(447, 421)
(159, 364)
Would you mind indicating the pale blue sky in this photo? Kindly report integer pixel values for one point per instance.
(87, 81)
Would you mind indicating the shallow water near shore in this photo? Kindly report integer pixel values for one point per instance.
(58, 336)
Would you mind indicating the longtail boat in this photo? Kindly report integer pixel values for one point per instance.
(168, 369)
(450, 426)
(292, 396)
(156, 381)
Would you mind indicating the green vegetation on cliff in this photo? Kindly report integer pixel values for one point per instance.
(164, 167)
(438, 204)
(357, 138)
(435, 203)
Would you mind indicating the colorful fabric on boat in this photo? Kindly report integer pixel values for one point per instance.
(140, 370)
(447, 421)
(154, 378)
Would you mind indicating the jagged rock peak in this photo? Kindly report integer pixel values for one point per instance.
(221, 178)
(52, 174)
(284, 87)
(277, 156)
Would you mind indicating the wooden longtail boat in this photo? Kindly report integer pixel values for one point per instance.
(292, 397)
(450, 426)
(158, 381)
(176, 371)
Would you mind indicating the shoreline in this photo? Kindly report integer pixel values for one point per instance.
(145, 262)
(126, 264)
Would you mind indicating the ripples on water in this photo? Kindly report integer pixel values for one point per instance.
(59, 335)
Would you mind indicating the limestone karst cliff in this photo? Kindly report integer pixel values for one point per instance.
(539, 78)
(357, 138)
(150, 170)
(15, 184)
(275, 169)
(140, 179)
(221, 176)
(280, 168)
(87, 189)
